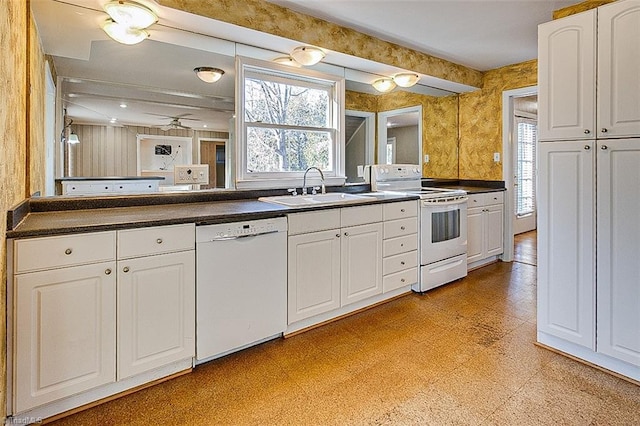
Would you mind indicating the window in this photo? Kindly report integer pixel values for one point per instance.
(525, 166)
(289, 121)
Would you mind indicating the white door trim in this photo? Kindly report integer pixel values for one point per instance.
(507, 163)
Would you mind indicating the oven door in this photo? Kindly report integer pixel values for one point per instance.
(443, 229)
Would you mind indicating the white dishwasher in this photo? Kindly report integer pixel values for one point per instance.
(241, 288)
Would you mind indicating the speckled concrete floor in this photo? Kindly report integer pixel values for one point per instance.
(462, 354)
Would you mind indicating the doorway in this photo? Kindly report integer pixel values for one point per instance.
(213, 153)
(526, 100)
(402, 129)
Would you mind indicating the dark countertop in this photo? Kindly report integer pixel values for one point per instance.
(470, 185)
(45, 223)
(80, 179)
(474, 189)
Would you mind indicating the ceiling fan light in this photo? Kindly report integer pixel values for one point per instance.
(73, 139)
(384, 85)
(123, 34)
(130, 14)
(307, 55)
(406, 79)
(287, 60)
(209, 74)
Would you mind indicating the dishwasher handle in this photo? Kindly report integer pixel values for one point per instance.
(237, 237)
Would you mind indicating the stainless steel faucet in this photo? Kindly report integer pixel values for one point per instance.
(304, 180)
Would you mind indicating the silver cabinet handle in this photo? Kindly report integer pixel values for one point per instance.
(338, 235)
(587, 131)
(587, 147)
(107, 271)
(604, 147)
(402, 263)
(402, 210)
(68, 251)
(402, 280)
(125, 269)
(402, 227)
(604, 130)
(346, 234)
(159, 241)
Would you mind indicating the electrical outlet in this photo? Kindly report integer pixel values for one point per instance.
(496, 157)
(191, 174)
(426, 158)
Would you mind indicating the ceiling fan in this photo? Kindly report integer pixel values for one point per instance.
(175, 121)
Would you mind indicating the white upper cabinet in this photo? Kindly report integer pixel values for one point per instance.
(619, 69)
(566, 77)
(602, 42)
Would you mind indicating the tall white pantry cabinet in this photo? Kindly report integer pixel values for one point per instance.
(589, 186)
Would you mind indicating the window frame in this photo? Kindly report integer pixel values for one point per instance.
(248, 67)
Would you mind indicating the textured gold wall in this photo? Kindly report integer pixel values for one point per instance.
(439, 125)
(580, 7)
(481, 119)
(13, 72)
(36, 152)
(273, 19)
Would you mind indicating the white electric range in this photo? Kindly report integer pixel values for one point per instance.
(442, 222)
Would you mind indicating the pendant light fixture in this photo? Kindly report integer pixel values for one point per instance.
(384, 85)
(209, 74)
(307, 55)
(73, 139)
(406, 79)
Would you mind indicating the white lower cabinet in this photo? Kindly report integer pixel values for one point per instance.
(85, 327)
(156, 311)
(65, 333)
(334, 267)
(485, 227)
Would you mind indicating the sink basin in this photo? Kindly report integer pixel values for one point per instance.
(317, 200)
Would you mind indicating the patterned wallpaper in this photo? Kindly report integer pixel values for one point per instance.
(580, 7)
(481, 119)
(273, 19)
(13, 71)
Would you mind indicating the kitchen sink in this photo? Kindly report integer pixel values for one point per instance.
(317, 200)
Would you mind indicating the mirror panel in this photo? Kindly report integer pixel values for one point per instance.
(163, 96)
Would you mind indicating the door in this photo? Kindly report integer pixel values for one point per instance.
(618, 249)
(566, 77)
(156, 311)
(314, 274)
(65, 333)
(361, 262)
(618, 70)
(213, 153)
(475, 232)
(566, 241)
(494, 229)
(525, 131)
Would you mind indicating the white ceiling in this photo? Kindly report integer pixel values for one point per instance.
(480, 34)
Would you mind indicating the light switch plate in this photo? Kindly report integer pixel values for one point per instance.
(426, 158)
(496, 157)
(191, 174)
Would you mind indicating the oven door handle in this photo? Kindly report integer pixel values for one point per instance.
(445, 203)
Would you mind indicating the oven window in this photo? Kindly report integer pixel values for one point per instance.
(445, 226)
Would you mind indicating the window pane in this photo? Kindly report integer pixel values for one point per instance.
(282, 150)
(279, 103)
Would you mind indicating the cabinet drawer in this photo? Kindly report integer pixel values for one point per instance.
(400, 210)
(399, 279)
(68, 250)
(399, 262)
(485, 199)
(399, 245)
(321, 220)
(158, 239)
(400, 227)
(352, 216)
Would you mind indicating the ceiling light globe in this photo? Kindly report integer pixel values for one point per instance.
(287, 60)
(307, 55)
(384, 85)
(406, 79)
(130, 14)
(209, 74)
(123, 34)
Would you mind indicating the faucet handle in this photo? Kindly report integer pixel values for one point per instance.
(293, 191)
(314, 190)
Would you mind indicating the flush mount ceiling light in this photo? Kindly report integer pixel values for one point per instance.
(130, 14)
(208, 74)
(123, 34)
(406, 79)
(287, 60)
(307, 55)
(384, 85)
